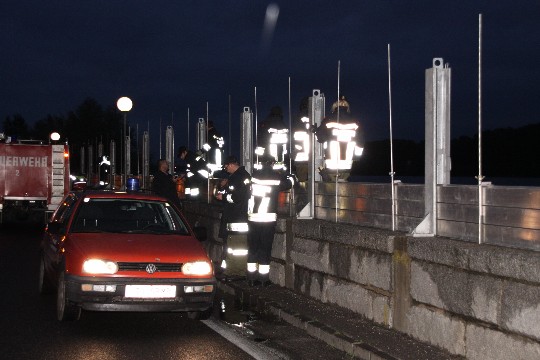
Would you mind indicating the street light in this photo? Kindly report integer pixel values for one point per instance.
(124, 104)
(55, 136)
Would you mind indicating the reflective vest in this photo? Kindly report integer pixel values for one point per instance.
(341, 145)
(265, 187)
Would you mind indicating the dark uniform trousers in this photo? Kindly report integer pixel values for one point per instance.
(260, 240)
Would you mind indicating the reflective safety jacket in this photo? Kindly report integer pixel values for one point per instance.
(301, 137)
(235, 200)
(342, 141)
(273, 140)
(266, 184)
(214, 152)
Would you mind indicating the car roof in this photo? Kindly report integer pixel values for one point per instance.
(111, 194)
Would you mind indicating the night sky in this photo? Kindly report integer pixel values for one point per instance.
(171, 56)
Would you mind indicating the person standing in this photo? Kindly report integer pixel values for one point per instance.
(273, 138)
(266, 184)
(164, 184)
(234, 198)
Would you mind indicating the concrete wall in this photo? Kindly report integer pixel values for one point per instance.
(480, 301)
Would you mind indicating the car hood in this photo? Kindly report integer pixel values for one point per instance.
(138, 247)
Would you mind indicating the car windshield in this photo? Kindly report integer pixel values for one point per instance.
(127, 216)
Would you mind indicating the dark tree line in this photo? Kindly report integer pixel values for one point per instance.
(506, 152)
(89, 123)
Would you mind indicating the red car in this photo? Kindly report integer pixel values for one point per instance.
(118, 251)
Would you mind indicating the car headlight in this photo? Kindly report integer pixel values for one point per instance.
(197, 268)
(98, 266)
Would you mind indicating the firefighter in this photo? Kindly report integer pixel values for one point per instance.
(233, 226)
(213, 149)
(342, 139)
(266, 184)
(192, 168)
(272, 138)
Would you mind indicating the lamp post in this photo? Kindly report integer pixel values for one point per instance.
(124, 104)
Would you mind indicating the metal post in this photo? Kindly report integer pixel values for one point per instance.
(246, 139)
(337, 168)
(146, 160)
(391, 145)
(437, 144)
(128, 160)
(315, 159)
(112, 152)
(480, 177)
(201, 133)
(90, 162)
(124, 152)
(169, 147)
(83, 159)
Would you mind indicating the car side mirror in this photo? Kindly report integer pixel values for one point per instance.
(200, 233)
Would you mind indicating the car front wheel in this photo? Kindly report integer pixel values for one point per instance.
(44, 285)
(65, 311)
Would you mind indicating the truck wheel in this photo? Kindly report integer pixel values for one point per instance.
(44, 284)
(65, 310)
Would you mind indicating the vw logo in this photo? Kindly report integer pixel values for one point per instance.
(151, 268)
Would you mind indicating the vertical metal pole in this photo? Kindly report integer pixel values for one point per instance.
(392, 173)
(83, 158)
(480, 177)
(112, 152)
(230, 120)
(208, 197)
(160, 138)
(124, 162)
(169, 147)
(188, 128)
(256, 124)
(137, 146)
(291, 193)
(90, 162)
(128, 156)
(337, 168)
(246, 139)
(146, 160)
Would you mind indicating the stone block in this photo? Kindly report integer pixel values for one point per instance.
(279, 246)
(277, 273)
(459, 292)
(309, 283)
(348, 295)
(382, 310)
(483, 343)
(520, 310)
(306, 228)
(281, 225)
(440, 250)
(507, 262)
(310, 254)
(370, 268)
(437, 328)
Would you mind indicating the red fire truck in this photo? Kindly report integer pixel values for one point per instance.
(34, 178)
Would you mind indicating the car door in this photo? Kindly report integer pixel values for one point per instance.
(55, 232)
